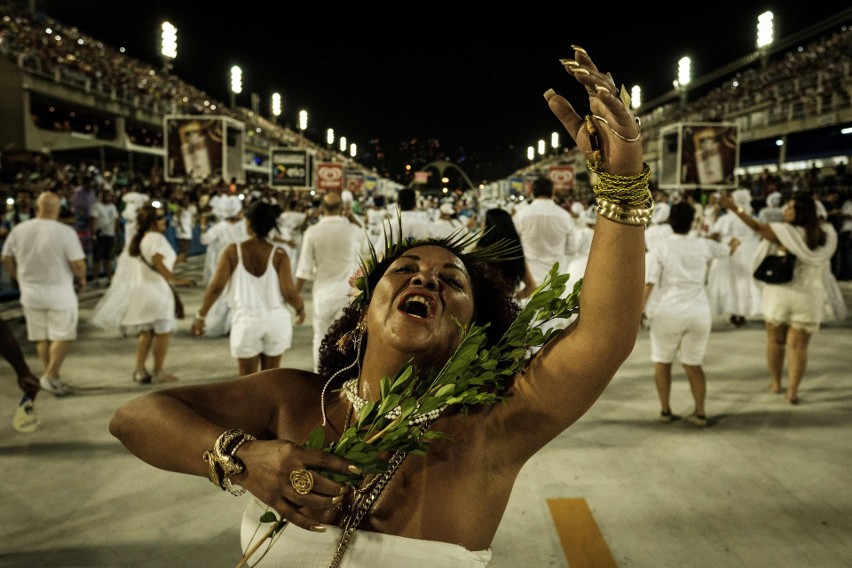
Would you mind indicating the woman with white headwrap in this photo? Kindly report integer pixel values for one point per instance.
(230, 230)
(741, 287)
(773, 212)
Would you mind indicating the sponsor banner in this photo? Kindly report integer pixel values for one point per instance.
(709, 154)
(354, 181)
(562, 177)
(421, 177)
(194, 148)
(516, 184)
(330, 176)
(291, 167)
(371, 183)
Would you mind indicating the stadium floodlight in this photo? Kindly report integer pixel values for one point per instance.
(329, 136)
(236, 84)
(530, 153)
(554, 140)
(635, 97)
(765, 30)
(541, 147)
(343, 143)
(353, 150)
(303, 121)
(168, 44)
(276, 105)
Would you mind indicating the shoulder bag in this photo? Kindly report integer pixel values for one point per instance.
(776, 268)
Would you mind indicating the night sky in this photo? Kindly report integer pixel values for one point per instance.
(473, 81)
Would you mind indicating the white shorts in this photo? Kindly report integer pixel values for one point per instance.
(799, 309)
(686, 337)
(251, 336)
(52, 325)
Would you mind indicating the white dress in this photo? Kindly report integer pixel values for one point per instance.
(150, 298)
(111, 307)
(295, 547)
(217, 238)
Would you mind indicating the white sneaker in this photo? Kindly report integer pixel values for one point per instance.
(25, 420)
(54, 386)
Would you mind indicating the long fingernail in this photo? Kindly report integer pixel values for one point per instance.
(579, 70)
(601, 89)
(549, 94)
(337, 499)
(318, 528)
(579, 49)
(570, 62)
(354, 469)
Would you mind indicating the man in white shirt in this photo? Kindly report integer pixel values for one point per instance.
(546, 231)
(330, 255)
(103, 219)
(45, 257)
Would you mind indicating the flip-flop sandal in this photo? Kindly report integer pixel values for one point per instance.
(25, 419)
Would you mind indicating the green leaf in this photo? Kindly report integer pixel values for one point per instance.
(316, 439)
(269, 517)
(388, 403)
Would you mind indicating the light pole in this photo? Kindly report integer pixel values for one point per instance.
(168, 45)
(276, 106)
(635, 97)
(236, 85)
(684, 76)
(765, 35)
(303, 123)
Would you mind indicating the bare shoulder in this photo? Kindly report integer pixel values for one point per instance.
(292, 383)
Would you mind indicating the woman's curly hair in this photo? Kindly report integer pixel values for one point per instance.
(494, 304)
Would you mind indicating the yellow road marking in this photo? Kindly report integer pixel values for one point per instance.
(582, 541)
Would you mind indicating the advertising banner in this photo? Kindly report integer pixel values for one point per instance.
(330, 176)
(291, 168)
(371, 183)
(701, 155)
(194, 148)
(354, 181)
(562, 177)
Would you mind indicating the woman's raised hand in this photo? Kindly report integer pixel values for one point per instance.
(609, 136)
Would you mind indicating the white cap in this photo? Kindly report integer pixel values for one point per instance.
(447, 209)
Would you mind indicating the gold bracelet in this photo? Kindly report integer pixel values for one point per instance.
(222, 460)
(639, 216)
(214, 470)
(630, 190)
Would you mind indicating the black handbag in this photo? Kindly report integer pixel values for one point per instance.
(776, 268)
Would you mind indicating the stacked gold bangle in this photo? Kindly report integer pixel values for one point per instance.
(627, 215)
(623, 199)
(222, 460)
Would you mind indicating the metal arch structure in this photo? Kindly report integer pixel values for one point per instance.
(442, 166)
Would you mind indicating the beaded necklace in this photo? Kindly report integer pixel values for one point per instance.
(350, 389)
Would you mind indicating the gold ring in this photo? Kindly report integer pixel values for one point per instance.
(302, 481)
(626, 139)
